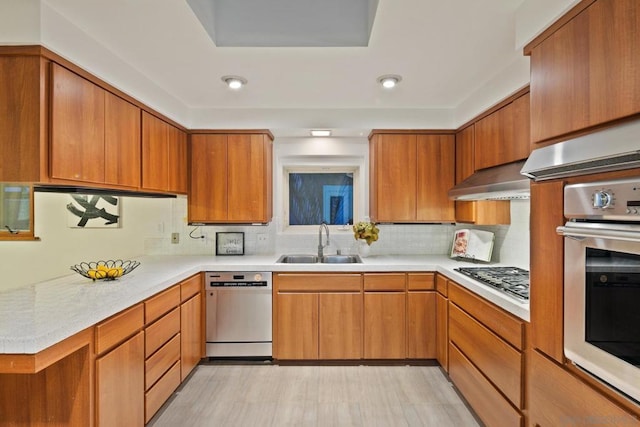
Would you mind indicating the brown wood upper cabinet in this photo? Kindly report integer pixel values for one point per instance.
(231, 177)
(410, 175)
(164, 156)
(95, 135)
(503, 136)
(486, 212)
(587, 72)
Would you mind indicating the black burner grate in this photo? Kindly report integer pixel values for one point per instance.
(513, 281)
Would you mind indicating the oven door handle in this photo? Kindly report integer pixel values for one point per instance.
(581, 233)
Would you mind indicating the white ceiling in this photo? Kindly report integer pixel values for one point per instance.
(445, 51)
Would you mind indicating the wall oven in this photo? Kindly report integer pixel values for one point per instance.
(602, 281)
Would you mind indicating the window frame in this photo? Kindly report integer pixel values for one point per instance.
(305, 229)
(6, 235)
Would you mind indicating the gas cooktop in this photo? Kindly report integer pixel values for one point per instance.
(513, 281)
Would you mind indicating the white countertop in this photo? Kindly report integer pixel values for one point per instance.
(35, 317)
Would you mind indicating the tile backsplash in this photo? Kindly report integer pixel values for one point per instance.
(511, 244)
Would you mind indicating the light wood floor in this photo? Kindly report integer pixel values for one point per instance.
(272, 395)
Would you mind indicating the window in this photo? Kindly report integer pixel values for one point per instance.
(314, 197)
(16, 211)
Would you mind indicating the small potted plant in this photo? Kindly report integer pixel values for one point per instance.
(367, 231)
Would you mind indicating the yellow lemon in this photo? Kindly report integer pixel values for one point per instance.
(97, 274)
(115, 272)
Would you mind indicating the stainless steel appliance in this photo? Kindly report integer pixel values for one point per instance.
(602, 281)
(238, 314)
(513, 281)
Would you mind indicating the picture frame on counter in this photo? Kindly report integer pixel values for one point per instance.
(229, 243)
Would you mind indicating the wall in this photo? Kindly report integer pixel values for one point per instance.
(60, 247)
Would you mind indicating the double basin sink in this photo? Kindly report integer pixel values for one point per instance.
(313, 259)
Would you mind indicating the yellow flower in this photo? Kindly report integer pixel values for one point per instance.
(366, 231)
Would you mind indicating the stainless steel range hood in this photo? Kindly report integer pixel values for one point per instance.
(497, 183)
(615, 148)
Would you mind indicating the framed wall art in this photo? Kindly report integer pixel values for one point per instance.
(93, 211)
(229, 243)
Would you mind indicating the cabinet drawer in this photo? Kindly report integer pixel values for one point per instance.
(161, 361)
(385, 282)
(190, 287)
(118, 328)
(420, 281)
(497, 360)
(161, 332)
(158, 305)
(161, 391)
(486, 401)
(318, 282)
(442, 284)
(503, 324)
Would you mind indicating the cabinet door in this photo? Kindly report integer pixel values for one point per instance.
(435, 176)
(22, 130)
(493, 135)
(177, 146)
(547, 269)
(190, 334)
(384, 325)
(77, 128)
(248, 192)
(208, 189)
(558, 398)
(465, 164)
(421, 325)
(588, 72)
(442, 331)
(520, 145)
(155, 153)
(296, 326)
(120, 385)
(121, 142)
(395, 178)
(340, 327)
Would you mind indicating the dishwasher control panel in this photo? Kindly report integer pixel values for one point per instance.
(239, 279)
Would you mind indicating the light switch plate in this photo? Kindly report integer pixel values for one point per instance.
(175, 237)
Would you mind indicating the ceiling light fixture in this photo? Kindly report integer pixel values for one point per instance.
(320, 132)
(389, 81)
(234, 82)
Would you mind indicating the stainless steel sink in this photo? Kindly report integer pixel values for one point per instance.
(312, 259)
(341, 259)
(298, 259)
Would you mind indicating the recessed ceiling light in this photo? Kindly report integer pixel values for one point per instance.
(234, 82)
(320, 132)
(389, 81)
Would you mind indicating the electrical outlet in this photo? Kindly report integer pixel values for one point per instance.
(262, 237)
(175, 237)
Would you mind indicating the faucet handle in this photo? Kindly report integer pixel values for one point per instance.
(338, 252)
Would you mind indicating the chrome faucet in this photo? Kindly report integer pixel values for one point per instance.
(320, 245)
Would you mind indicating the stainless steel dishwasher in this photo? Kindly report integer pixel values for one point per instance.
(239, 312)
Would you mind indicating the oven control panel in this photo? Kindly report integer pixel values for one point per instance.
(604, 200)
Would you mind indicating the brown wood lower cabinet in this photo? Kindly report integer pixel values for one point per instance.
(483, 397)
(352, 316)
(421, 325)
(384, 325)
(173, 334)
(442, 331)
(296, 334)
(486, 357)
(191, 334)
(317, 316)
(557, 398)
(340, 325)
(119, 384)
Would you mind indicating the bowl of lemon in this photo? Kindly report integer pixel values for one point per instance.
(105, 270)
